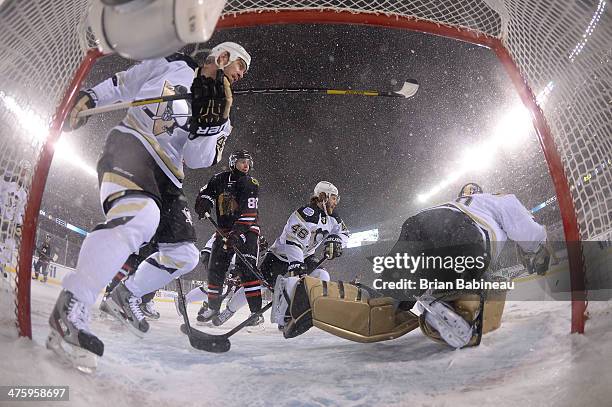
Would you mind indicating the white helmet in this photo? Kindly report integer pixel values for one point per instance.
(326, 187)
(235, 51)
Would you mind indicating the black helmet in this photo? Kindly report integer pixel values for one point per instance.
(470, 188)
(237, 155)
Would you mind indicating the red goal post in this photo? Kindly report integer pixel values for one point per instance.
(543, 45)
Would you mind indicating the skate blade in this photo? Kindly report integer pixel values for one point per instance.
(79, 358)
(115, 311)
(207, 323)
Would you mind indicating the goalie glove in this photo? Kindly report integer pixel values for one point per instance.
(210, 104)
(333, 246)
(537, 262)
(86, 99)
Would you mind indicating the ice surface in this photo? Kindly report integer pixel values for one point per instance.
(531, 361)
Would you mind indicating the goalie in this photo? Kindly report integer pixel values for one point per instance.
(476, 224)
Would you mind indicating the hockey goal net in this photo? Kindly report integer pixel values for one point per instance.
(562, 50)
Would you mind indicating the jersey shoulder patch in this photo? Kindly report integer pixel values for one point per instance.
(309, 214)
(254, 181)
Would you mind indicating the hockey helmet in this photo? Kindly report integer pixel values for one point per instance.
(239, 154)
(326, 187)
(235, 51)
(470, 188)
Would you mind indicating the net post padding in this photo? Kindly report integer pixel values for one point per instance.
(28, 237)
(555, 166)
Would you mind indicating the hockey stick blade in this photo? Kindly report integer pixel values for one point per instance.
(206, 342)
(218, 343)
(409, 89)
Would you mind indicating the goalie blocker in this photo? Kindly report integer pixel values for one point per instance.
(357, 314)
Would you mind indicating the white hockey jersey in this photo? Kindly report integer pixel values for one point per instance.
(12, 200)
(306, 228)
(162, 127)
(503, 217)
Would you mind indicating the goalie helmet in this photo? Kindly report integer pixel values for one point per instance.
(470, 188)
(237, 155)
(235, 51)
(326, 187)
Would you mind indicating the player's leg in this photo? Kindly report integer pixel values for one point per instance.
(250, 282)
(220, 259)
(129, 196)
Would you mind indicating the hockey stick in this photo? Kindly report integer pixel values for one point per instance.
(221, 343)
(408, 90)
(241, 256)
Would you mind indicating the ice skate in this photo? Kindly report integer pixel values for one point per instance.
(206, 316)
(149, 310)
(70, 337)
(203, 308)
(223, 317)
(257, 325)
(126, 308)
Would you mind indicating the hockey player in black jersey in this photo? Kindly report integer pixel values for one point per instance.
(44, 258)
(234, 194)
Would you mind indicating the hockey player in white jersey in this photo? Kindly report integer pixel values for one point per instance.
(140, 174)
(293, 252)
(13, 198)
(475, 225)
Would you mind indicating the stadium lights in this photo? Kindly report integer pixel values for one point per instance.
(510, 133)
(35, 126)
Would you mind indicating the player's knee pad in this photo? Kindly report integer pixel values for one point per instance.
(133, 219)
(481, 313)
(321, 274)
(181, 258)
(346, 311)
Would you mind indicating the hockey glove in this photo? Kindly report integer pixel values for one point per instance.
(537, 262)
(296, 269)
(203, 205)
(85, 100)
(333, 246)
(210, 104)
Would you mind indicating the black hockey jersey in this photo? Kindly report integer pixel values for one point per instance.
(236, 200)
(45, 252)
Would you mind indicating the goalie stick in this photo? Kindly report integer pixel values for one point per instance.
(220, 343)
(408, 90)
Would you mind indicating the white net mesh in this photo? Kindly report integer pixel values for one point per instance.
(562, 50)
(42, 45)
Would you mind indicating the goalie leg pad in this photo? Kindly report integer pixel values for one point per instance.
(346, 311)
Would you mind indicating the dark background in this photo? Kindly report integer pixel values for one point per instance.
(380, 152)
